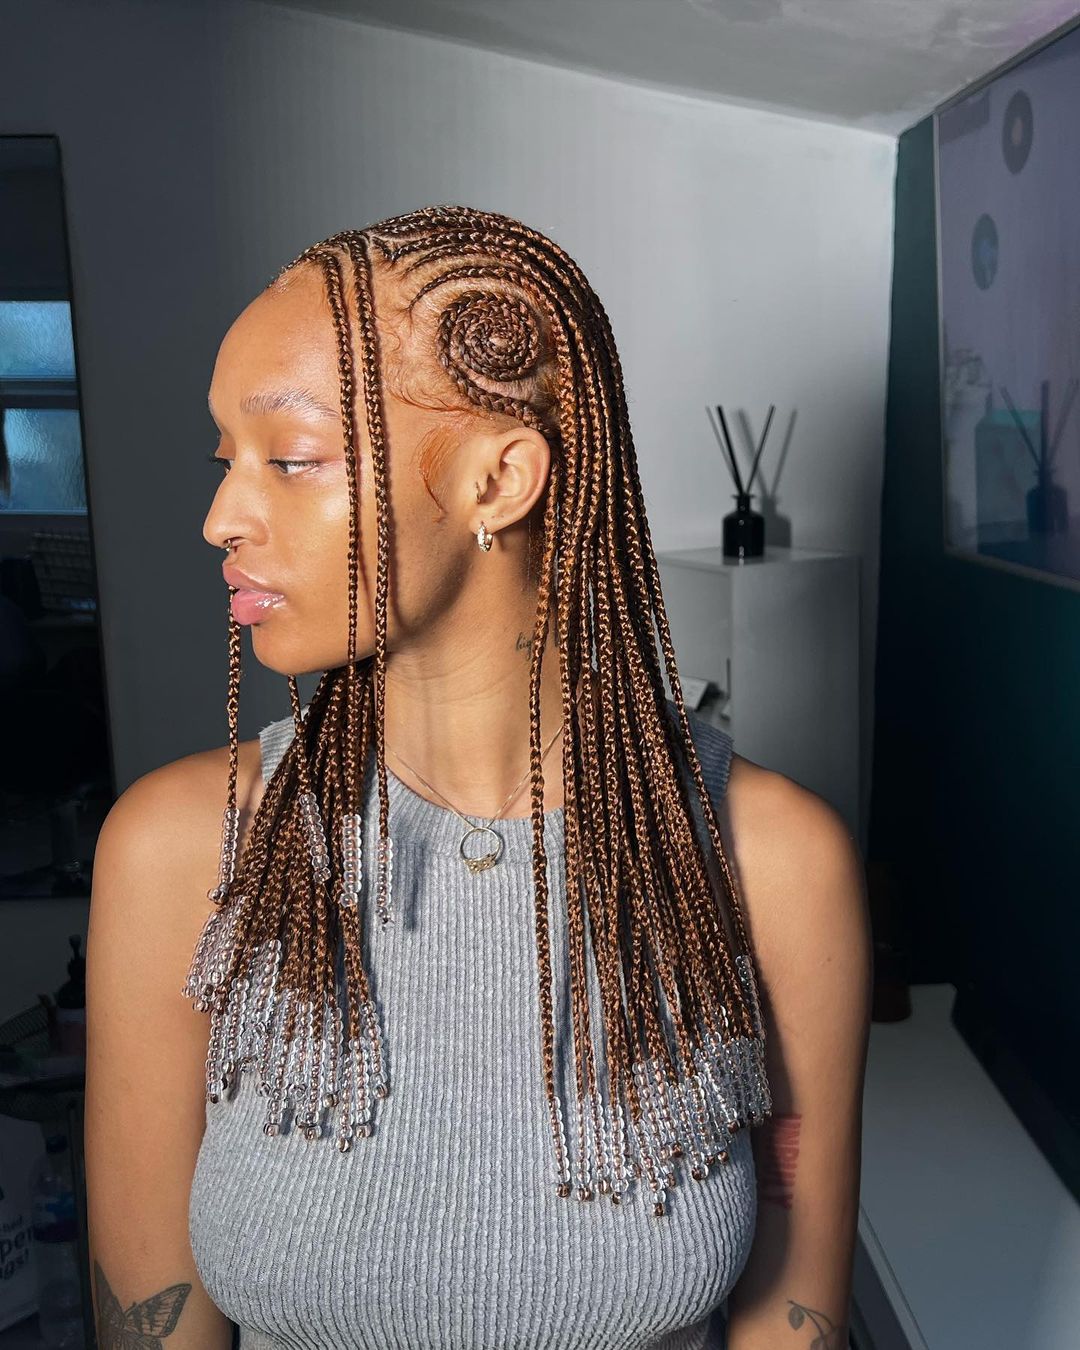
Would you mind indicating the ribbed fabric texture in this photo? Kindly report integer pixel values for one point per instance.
(442, 1230)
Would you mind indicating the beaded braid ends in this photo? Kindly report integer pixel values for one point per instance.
(499, 324)
(260, 1022)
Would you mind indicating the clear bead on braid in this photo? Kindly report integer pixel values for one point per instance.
(352, 857)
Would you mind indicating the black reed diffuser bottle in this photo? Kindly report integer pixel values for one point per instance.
(744, 528)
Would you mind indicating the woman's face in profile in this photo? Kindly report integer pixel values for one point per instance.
(284, 495)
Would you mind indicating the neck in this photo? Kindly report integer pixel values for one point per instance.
(457, 712)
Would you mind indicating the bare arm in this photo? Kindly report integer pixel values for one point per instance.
(146, 1051)
(804, 888)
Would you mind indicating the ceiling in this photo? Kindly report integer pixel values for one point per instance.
(876, 64)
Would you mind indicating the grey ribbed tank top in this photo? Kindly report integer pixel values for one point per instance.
(443, 1230)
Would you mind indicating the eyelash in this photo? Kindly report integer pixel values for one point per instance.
(301, 463)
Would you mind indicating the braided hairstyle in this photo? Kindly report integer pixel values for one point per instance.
(502, 325)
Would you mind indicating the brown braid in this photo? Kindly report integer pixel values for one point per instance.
(496, 322)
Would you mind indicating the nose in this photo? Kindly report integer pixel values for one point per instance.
(230, 516)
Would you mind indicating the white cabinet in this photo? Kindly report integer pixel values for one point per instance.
(779, 638)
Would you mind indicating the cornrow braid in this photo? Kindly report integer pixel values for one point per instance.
(508, 326)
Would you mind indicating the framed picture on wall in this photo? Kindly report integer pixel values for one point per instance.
(1008, 231)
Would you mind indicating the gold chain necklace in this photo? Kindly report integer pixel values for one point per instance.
(485, 860)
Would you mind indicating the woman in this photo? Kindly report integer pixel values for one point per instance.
(454, 988)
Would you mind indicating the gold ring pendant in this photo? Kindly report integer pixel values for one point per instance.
(485, 860)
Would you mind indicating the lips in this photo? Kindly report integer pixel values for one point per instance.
(252, 601)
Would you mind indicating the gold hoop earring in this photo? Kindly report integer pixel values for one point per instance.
(484, 537)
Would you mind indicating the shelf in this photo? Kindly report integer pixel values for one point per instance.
(969, 1232)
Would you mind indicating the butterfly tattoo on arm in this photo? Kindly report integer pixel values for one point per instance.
(144, 1325)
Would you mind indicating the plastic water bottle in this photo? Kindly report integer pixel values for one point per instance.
(60, 1314)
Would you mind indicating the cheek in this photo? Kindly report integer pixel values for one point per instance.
(310, 533)
(431, 575)
(319, 546)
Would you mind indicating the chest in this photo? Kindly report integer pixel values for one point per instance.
(443, 1229)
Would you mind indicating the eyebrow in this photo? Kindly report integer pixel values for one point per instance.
(282, 400)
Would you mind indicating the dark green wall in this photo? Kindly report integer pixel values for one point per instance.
(975, 806)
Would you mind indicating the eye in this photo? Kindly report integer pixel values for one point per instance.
(287, 464)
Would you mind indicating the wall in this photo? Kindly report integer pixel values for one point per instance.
(743, 256)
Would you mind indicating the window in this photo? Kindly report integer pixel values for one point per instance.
(41, 455)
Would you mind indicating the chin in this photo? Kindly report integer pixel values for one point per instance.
(295, 656)
(284, 656)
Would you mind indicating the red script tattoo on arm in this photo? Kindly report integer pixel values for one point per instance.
(777, 1155)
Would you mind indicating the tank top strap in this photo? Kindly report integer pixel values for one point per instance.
(274, 740)
(715, 748)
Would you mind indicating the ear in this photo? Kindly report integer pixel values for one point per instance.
(509, 474)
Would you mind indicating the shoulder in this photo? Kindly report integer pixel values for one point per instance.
(802, 883)
(800, 867)
(165, 803)
(798, 871)
(156, 856)
(160, 842)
